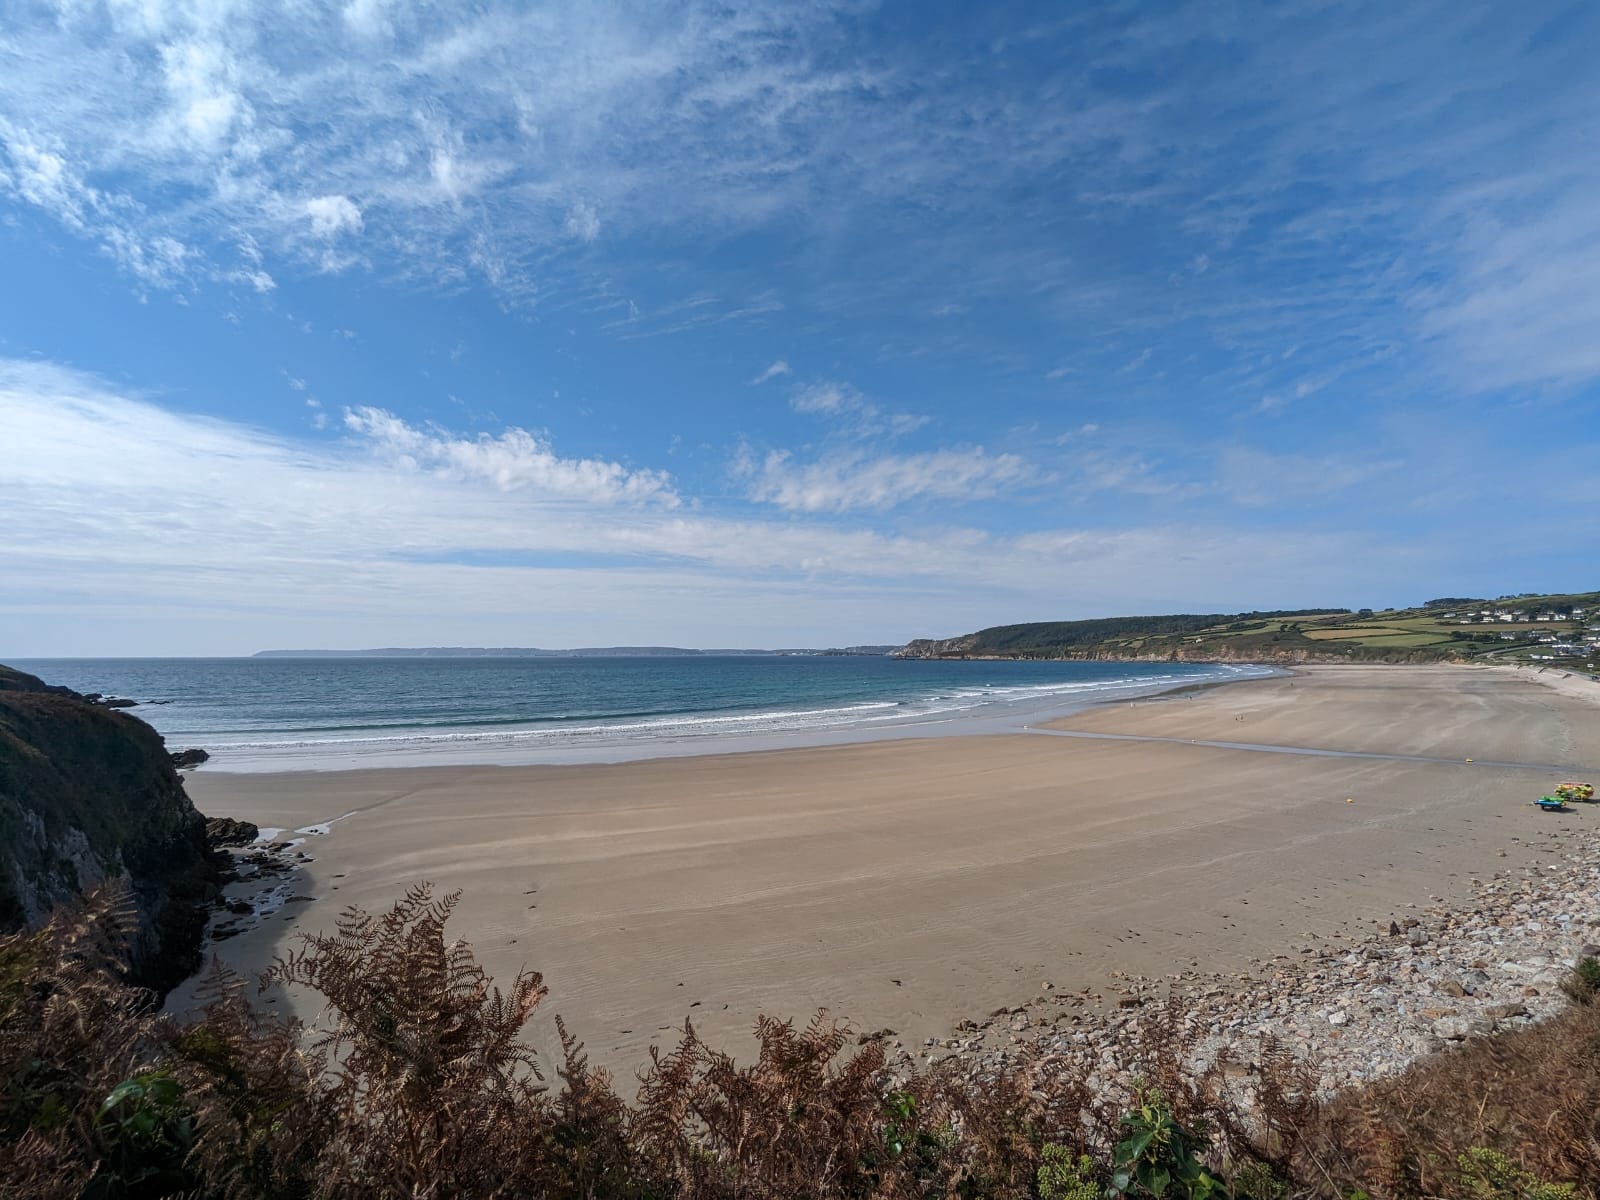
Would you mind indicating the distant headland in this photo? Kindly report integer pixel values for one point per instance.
(578, 652)
(1538, 629)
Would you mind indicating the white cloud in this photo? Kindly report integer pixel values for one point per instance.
(854, 412)
(369, 18)
(204, 108)
(43, 177)
(1406, 197)
(1087, 429)
(1258, 479)
(849, 482)
(259, 280)
(131, 528)
(829, 398)
(332, 216)
(583, 222)
(773, 372)
(512, 461)
(1524, 307)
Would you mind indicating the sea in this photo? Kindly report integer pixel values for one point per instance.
(273, 714)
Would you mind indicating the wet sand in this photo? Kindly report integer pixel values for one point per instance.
(910, 884)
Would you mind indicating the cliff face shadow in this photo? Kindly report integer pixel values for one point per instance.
(89, 796)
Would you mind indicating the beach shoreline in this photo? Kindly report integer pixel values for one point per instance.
(912, 884)
(515, 748)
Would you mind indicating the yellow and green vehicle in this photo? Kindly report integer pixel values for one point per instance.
(1576, 791)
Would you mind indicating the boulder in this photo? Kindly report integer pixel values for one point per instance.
(192, 757)
(225, 831)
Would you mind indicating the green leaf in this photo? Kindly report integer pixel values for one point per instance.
(127, 1089)
(164, 1090)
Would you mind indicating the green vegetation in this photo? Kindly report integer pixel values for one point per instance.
(1583, 985)
(1063, 1176)
(418, 1083)
(1159, 1157)
(1493, 1176)
(1043, 638)
(1522, 629)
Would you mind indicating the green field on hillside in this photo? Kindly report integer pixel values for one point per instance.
(1515, 629)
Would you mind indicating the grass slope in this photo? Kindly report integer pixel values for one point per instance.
(1517, 629)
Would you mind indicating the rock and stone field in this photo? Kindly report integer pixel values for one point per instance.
(1357, 1008)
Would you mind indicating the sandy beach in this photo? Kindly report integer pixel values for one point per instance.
(910, 884)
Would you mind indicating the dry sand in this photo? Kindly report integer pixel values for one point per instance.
(910, 884)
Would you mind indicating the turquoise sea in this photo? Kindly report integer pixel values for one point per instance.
(277, 713)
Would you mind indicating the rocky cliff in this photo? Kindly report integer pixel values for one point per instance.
(956, 647)
(89, 794)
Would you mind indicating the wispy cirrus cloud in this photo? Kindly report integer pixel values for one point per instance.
(847, 482)
(854, 412)
(509, 145)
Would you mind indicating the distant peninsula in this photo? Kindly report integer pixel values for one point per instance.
(1556, 629)
(578, 652)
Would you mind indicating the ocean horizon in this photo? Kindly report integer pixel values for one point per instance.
(266, 714)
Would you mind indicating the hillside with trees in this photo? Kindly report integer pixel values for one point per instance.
(1553, 629)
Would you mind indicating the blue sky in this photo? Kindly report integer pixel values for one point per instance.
(771, 324)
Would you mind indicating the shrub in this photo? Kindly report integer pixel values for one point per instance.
(71, 1032)
(148, 1130)
(1160, 1157)
(1583, 984)
(1063, 1177)
(1493, 1176)
(1532, 1094)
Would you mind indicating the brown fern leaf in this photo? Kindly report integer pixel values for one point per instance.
(70, 1029)
(429, 1085)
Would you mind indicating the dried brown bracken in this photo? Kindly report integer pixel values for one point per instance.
(415, 1081)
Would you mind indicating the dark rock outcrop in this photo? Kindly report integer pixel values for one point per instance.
(87, 795)
(192, 757)
(225, 831)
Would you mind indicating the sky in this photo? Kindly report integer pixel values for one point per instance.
(770, 324)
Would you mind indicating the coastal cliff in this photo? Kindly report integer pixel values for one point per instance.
(969, 647)
(956, 647)
(1555, 629)
(89, 795)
